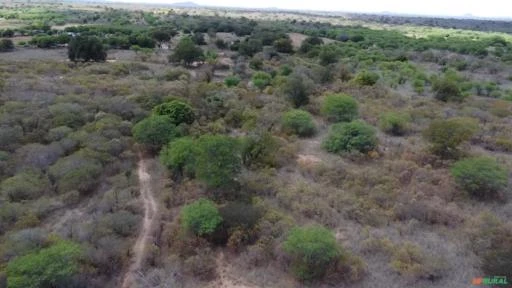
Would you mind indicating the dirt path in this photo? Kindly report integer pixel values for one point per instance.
(150, 211)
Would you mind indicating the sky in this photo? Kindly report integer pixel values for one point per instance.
(479, 8)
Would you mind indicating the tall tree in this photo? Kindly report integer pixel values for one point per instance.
(86, 49)
(187, 52)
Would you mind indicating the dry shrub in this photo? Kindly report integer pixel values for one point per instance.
(309, 201)
(332, 175)
(409, 260)
(254, 256)
(185, 192)
(180, 242)
(431, 212)
(365, 213)
(491, 239)
(430, 183)
(501, 108)
(348, 268)
(364, 92)
(202, 266)
(374, 245)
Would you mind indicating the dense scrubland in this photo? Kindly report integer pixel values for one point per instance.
(293, 152)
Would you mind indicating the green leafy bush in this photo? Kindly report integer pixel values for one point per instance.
(285, 70)
(312, 249)
(481, 177)
(366, 78)
(155, 131)
(259, 150)
(352, 136)
(340, 108)
(76, 172)
(231, 81)
(297, 89)
(218, 161)
(447, 89)
(178, 111)
(67, 114)
(393, 123)
(200, 217)
(25, 186)
(446, 135)
(48, 267)
(299, 122)
(179, 156)
(261, 79)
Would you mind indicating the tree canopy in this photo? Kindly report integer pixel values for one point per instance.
(187, 52)
(156, 131)
(48, 267)
(218, 161)
(85, 49)
(312, 249)
(200, 217)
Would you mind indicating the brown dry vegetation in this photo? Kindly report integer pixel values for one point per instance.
(397, 212)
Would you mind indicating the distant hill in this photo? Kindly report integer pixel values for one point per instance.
(185, 5)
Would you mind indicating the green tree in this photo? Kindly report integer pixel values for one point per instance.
(178, 111)
(481, 177)
(48, 267)
(395, 124)
(198, 39)
(352, 136)
(299, 122)
(86, 49)
(200, 217)
(179, 156)
(218, 161)
(297, 89)
(312, 249)
(284, 45)
(340, 108)
(155, 131)
(328, 55)
(249, 47)
(309, 43)
(161, 36)
(446, 135)
(187, 52)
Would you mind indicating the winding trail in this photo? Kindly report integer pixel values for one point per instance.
(150, 212)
